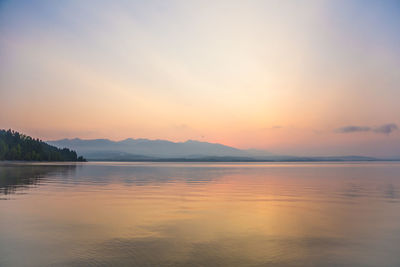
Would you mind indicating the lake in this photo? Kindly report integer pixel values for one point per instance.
(200, 214)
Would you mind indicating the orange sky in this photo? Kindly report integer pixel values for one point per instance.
(281, 76)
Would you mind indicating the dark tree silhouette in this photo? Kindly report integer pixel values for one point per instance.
(16, 146)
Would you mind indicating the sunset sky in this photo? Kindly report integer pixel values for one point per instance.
(293, 77)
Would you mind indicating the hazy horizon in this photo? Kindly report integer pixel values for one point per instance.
(296, 78)
(268, 152)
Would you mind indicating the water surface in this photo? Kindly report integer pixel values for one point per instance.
(200, 214)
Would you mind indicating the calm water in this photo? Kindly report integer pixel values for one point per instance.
(188, 214)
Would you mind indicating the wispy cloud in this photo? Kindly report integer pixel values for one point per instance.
(383, 129)
(352, 129)
(386, 129)
(275, 127)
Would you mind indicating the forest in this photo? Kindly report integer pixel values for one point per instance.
(17, 146)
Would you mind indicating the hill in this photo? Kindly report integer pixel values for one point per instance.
(145, 149)
(17, 146)
(189, 151)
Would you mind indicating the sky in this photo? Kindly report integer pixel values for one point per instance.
(291, 77)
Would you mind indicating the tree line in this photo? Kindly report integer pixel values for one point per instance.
(17, 146)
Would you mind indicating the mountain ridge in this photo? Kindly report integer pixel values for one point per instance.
(142, 149)
(156, 148)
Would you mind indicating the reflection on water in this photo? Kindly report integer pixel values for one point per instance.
(17, 177)
(188, 214)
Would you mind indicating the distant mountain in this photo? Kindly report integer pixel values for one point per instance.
(142, 149)
(163, 150)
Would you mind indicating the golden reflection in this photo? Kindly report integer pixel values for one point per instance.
(239, 214)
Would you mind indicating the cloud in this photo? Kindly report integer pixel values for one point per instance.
(383, 129)
(275, 127)
(386, 129)
(352, 129)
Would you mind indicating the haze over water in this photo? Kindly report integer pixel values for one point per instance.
(200, 214)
